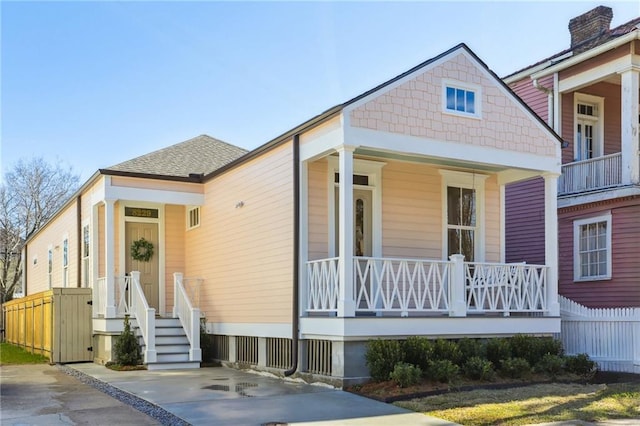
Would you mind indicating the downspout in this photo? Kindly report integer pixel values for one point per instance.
(295, 308)
(79, 240)
(549, 93)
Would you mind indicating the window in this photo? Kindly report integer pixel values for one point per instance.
(85, 255)
(461, 99)
(588, 126)
(65, 262)
(592, 248)
(193, 217)
(461, 222)
(50, 267)
(463, 198)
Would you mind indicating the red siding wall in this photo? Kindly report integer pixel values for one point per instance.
(536, 99)
(623, 289)
(524, 222)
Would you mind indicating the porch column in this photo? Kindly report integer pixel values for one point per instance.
(346, 302)
(109, 258)
(551, 241)
(629, 122)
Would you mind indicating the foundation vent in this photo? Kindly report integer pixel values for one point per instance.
(221, 347)
(247, 350)
(279, 353)
(319, 357)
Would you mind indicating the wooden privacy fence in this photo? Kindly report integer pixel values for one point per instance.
(55, 323)
(611, 337)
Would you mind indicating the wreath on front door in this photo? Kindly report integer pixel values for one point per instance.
(141, 250)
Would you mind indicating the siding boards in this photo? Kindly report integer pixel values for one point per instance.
(623, 289)
(536, 99)
(524, 222)
(175, 228)
(245, 253)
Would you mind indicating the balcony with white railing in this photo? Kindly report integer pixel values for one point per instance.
(121, 296)
(420, 287)
(591, 175)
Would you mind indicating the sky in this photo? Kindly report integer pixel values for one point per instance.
(91, 84)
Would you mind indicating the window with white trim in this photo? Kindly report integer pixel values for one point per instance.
(86, 239)
(461, 98)
(592, 248)
(589, 137)
(193, 217)
(463, 198)
(50, 267)
(65, 262)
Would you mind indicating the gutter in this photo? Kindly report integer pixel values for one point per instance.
(295, 308)
(549, 93)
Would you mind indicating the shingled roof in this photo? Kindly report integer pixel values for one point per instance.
(595, 41)
(201, 155)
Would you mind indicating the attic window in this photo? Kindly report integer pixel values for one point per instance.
(461, 99)
(193, 217)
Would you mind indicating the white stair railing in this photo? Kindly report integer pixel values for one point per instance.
(188, 315)
(145, 316)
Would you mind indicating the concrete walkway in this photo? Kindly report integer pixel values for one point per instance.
(44, 395)
(223, 396)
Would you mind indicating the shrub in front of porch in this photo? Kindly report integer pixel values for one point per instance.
(126, 349)
(382, 357)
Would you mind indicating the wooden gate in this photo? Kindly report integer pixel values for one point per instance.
(56, 323)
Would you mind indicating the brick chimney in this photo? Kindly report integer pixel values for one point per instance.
(589, 26)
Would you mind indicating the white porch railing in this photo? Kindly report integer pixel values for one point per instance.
(595, 173)
(323, 278)
(420, 286)
(505, 288)
(122, 296)
(401, 285)
(145, 316)
(188, 315)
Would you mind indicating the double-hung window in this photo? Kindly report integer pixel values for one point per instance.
(592, 248)
(50, 267)
(65, 262)
(85, 255)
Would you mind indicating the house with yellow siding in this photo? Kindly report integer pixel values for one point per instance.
(383, 217)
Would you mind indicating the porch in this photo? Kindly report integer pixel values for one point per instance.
(167, 342)
(393, 287)
(594, 174)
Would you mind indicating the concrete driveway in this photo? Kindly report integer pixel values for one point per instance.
(43, 395)
(223, 396)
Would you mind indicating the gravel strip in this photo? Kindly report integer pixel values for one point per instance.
(151, 410)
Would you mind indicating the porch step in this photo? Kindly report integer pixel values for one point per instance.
(172, 345)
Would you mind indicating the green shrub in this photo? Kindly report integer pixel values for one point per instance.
(498, 350)
(551, 365)
(443, 370)
(548, 345)
(516, 368)
(418, 351)
(405, 374)
(206, 342)
(446, 349)
(126, 350)
(382, 357)
(470, 348)
(581, 365)
(522, 347)
(477, 368)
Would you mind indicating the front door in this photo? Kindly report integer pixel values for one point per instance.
(148, 270)
(362, 222)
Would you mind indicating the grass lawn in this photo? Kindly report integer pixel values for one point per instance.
(549, 402)
(10, 354)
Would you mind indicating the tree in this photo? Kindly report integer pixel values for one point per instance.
(31, 193)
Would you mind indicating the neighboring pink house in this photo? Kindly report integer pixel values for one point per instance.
(383, 217)
(589, 94)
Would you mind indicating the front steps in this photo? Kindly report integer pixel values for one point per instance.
(172, 345)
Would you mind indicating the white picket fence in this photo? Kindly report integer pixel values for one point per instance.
(611, 337)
